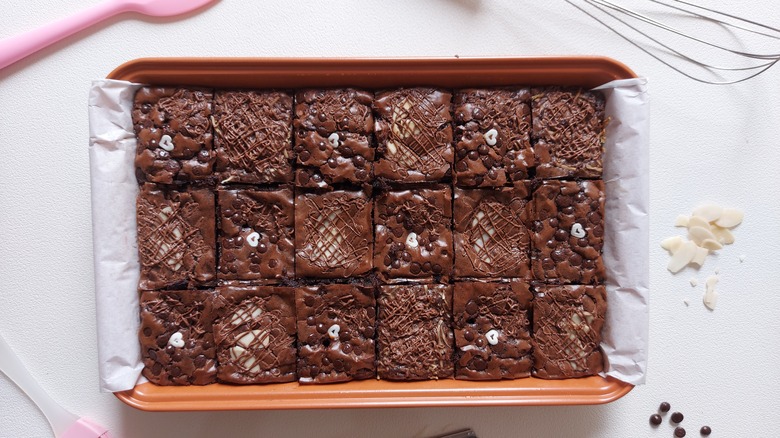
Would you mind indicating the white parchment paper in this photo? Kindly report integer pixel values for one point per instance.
(114, 188)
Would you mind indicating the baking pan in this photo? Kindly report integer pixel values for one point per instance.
(374, 74)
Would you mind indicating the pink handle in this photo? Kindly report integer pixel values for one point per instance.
(17, 47)
(85, 429)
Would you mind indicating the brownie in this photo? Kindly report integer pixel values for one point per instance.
(329, 111)
(332, 159)
(173, 133)
(413, 234)
(176, 243)
(415, 340)
(492, 323)
(336, 324)
(567, 330)
(414, 134)
(177, 345)
(568, 232)
(333, 236)
(253, 133)
(491, 238)
(256, 234)
(493, 141)
(255, 334)
(569, 128)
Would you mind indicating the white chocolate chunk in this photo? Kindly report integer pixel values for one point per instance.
(700, 256)
(730, 218)
(681, 221)
(411, 240)
(176, 340)
(492, 337)
(698, 221)
(577, 230)
(333, 139)
(253, 239)
(700, 234)
(672, 244)
(166, 142)
(711, 295)
(491, 137)
(723, 235)
(333, 332)
(682, 257)
(710, 212)
(711, 244)
(694, 282)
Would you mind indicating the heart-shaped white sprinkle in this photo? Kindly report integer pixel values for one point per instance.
(253, 239)
(491, 137)
(166, 142)
(333, 139)
(333, 332)
(176, 340)
(492, 337)
(577, 230)
(411, 240)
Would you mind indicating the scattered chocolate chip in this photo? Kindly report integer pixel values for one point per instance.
(677, 417)
(705, 430)
(655, 419)
(665, 407)
(679, 432)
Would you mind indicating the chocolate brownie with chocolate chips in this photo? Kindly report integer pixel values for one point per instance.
(176, 242)
(569, 129)
(413, 233)
(492, 330)
(414, 135)
(332, 111)
(255, 234)
(177, 345)
(567, 331)
(173, 134)
(253, 132)
(336, 324)
(493, 144)
(567, 233)
(337, 158)
(255, 334)
(415, 340)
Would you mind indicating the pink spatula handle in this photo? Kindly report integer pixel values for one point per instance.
(17, 47)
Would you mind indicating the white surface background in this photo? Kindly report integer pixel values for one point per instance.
(710, 143)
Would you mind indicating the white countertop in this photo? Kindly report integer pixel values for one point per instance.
(708, 143)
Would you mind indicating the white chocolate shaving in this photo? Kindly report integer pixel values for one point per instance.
(711, 244)
(698, 221)
(682, 257)
(700, 256)
(681, 221)
(672, 244)
(711, 295)
(710, 212)
(723, 235)
(730, 218)
(700, 234)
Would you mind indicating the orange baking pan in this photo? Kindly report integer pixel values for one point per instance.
(374, 74)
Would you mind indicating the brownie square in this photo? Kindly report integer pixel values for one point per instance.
(491, 238)
(176, 243)
(493, 141)
(415, 340)
(413, 234)
(414, 134)
(256, 234)
(177, 345)
(336, 324)
(338, 158)
(333, 237)
(568, 232)
(255, 334)
(329, 111)
(253, 132)
(569, 128)
(173, 133)
(567, 331)
(492, 323)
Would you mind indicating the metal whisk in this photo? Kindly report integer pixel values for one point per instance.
(683, 51)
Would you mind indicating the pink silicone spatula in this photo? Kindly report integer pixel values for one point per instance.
(17, 47)
(64, 423)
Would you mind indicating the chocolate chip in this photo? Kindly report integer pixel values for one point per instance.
(472, 308)
(322, 146)
(200, 360)
(304, 156)
(396, 264)
(273, 238)
(332, 163)
(147, 331)
(483, 149)
(321, 328)
(175, 371)
(273, 263)
(705, 430)
(679, 432)
(361, 174)
(468, 335)
(262, 248)
(437, 269)
(677, 417)
(427, 266)
(316, 178)
(655, 419)
(359, 160)
(473, 155)
(415, 268)
(561, 235)
(479, 364)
